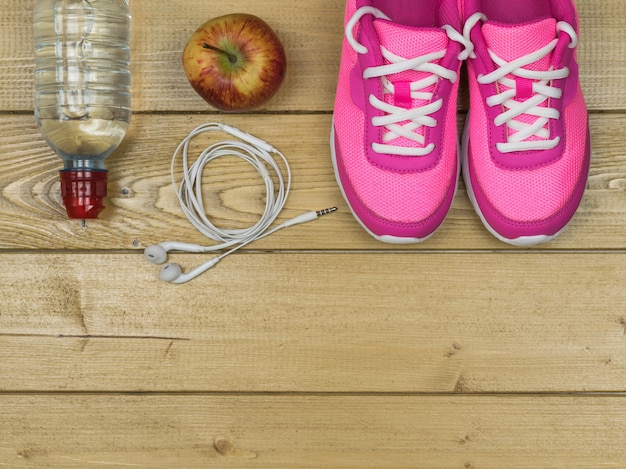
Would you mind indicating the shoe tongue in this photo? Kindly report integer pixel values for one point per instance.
(512, 41)
(408, 41)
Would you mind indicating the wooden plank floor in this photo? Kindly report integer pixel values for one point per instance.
(317, 346)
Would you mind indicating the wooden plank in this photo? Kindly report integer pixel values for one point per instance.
(312, 32)
(307, 322)
(602, 63)
(190, 431)
(143, 208)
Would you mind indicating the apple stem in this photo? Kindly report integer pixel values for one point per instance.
(231, 57)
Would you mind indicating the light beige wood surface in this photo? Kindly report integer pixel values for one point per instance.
(317, 346)
(299, 322)
(313, 431)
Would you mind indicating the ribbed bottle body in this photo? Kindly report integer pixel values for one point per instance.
(82, 78)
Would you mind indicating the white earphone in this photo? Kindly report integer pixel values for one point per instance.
(252, 150)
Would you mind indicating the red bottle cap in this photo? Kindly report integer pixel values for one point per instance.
(83, 192)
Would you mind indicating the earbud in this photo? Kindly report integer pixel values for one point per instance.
(157, 253)
(173, 273)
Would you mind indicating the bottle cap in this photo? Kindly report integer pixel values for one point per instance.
(83, 192)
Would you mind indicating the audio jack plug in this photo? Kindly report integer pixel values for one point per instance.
(308, 216)
(326, 211)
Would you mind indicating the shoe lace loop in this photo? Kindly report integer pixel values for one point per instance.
(522, 135)
(400, 122)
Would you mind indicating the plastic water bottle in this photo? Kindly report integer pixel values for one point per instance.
(82, 91)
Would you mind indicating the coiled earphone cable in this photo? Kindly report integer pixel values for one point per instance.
(255, 152)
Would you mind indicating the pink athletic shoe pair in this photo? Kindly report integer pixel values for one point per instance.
(525, 148)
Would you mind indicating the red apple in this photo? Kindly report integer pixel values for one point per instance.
(235, 62)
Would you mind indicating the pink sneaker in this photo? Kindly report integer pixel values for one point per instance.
(394, 138)
(526, 143)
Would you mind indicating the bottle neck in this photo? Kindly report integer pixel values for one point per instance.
(86, 164)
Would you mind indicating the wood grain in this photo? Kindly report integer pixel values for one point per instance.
(234, 431)
(143, 208)
(307, 322)
(312, 33)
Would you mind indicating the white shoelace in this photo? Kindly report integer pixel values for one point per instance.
(538, 105)
(417, 117)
